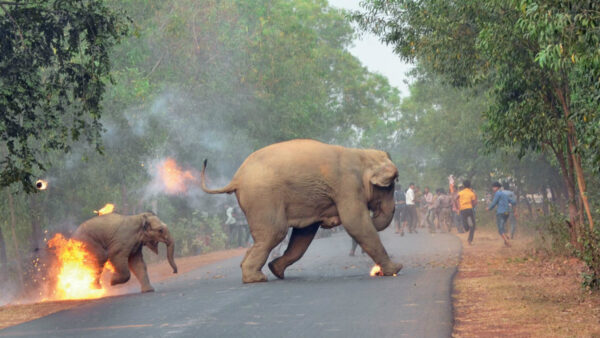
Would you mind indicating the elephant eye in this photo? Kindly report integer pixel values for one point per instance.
(160, 231)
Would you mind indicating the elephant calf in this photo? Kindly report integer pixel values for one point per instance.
(305, 184)
(120, 239)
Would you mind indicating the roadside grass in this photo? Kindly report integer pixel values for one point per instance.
(520, 291)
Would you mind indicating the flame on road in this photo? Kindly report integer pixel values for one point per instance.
(173, 177)
(376, 271)
(107, 209)
(76, 271)
(41, 184)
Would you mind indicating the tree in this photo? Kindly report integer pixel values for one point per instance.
(517, 48)
(54, 66)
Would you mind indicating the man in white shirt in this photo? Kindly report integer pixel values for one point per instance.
(411, 210)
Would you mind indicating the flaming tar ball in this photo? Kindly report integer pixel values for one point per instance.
(41, 184)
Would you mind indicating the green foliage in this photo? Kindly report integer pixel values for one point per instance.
(537, 61)
(200, 233)
(590, 254)
(553, 235)
(54, 65)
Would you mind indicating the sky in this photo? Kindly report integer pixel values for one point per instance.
(377, 56)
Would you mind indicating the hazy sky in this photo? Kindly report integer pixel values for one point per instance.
(375, 55)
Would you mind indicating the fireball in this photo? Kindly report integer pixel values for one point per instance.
(376, 271)
(173, 178)
(76, 270)
(41, 184)
(107, 209)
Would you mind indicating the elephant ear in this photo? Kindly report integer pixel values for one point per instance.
(152, 245)
(384, 175)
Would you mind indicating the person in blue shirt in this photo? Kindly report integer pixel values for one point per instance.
(503, 202)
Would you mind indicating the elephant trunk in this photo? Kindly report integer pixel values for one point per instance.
(384, 215)
(171, 254)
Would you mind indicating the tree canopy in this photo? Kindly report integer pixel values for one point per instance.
(54, 66)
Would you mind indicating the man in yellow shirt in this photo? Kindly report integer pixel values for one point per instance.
(467, 200)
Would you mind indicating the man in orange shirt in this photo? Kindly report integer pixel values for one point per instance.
(467, 200)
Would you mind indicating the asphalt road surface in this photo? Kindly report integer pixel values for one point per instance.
(325, 294)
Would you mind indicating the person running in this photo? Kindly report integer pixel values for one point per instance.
(399, 214)
(444, 210)
(502, 200)
(429, 215)
(512, 217)
(467, 200)
(410, 210)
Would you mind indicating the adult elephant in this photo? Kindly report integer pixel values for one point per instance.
(305, 184)
(120, 239)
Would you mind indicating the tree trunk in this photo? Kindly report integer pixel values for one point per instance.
(124, 203)
(3, 260)
(569, 182)
(572, 144)
(545, 207)
(36, 229)
(13, 224)
(528, 204)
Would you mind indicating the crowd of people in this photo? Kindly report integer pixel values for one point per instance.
(455, 208)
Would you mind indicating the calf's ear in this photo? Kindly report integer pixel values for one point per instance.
(145, 223)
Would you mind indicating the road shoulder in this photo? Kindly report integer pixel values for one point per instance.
(517, 291)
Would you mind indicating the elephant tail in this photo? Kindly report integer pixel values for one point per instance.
(228, 189)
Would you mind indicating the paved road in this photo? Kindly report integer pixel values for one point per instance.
(325, 294)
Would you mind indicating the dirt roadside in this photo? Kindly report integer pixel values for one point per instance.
(11, 315)
(516, 292)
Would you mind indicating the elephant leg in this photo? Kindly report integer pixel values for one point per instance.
(121, 274)
(138, 266)
(268, 230)
(357, 222)
(299, 242)
(100, 258)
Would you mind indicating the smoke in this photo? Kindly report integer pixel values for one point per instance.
(184, 129)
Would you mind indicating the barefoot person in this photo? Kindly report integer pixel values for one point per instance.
(503, 201)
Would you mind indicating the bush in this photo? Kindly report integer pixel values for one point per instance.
(554, 237)
(590, 254)
(198, 234)
(553, 234)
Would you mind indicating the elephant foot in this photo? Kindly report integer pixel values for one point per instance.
(255, 277)
(391, 269)
(147, 289)
(275, 270)
(119, 279)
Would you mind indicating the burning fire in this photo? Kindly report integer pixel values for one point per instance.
(173, 178)
(76, 272)
(108, 266)
(376, 271)
(107, 209)
(41, 184)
